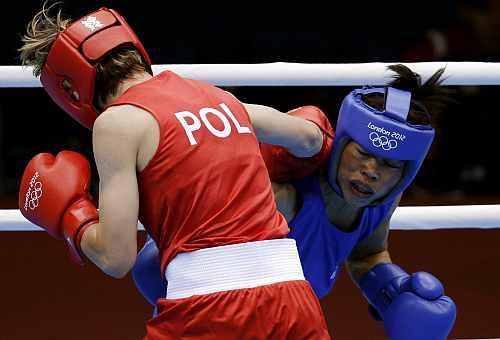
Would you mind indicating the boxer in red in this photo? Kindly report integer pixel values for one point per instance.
(182, 157)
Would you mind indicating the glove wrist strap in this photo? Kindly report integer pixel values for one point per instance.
(75, 221)
(380, 284)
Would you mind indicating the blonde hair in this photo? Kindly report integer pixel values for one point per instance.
(41, 33)
(122, 63)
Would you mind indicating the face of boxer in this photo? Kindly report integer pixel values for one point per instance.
(364, 178)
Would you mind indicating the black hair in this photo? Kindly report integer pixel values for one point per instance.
(428, 99)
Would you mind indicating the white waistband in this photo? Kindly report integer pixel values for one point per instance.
(235, 266)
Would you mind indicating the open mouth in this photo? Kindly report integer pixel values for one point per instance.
(361, 190)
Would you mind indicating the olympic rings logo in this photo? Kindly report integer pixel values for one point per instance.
(34, 193)
(382, 141)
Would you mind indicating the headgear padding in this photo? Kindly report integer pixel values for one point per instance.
(385, 134)
(70, 65)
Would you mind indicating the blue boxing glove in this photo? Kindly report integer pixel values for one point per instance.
(147, 273)
(413, 307)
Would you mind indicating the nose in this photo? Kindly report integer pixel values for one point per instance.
(370, 169)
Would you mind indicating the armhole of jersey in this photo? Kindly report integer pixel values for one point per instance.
(242, 107)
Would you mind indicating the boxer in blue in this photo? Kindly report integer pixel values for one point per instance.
(340, 213)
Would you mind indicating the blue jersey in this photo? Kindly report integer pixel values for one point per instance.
(322, 246)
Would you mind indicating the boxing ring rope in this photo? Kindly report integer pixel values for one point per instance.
(404, 218)
(297, 74)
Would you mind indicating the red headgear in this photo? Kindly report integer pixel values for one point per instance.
(69, 67)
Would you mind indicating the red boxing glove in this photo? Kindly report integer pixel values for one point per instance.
(54, 195)
(283, 166)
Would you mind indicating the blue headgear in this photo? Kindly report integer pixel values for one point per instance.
(385, 134)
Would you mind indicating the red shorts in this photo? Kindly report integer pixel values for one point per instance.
(284, 310)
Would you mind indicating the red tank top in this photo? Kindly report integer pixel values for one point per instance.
(207, 184)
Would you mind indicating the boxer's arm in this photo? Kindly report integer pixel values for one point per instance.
(368, 253)
(372, 250)
(300, 137)
(285, 196)
(112, 243)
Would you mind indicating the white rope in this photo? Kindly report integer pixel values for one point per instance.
(447, 217)
(404, 218)
(296, 74)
